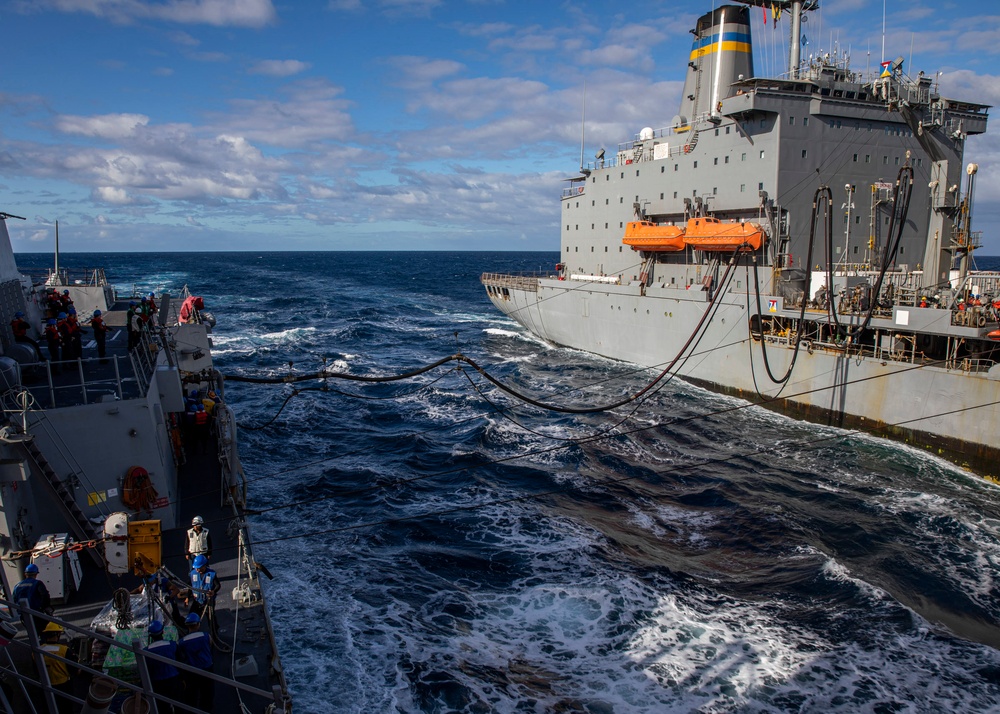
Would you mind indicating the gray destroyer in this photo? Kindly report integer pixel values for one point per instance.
(100, 475)
(803, 242)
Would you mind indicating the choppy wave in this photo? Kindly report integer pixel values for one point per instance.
(483, 556)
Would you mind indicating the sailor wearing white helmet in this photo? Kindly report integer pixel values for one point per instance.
(199, 541)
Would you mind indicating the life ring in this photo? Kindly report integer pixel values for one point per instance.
(687, 148)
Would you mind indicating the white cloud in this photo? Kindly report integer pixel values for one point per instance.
(279, 68)
(311, 112)
(111, 194)
(221, 13)
(106, 126)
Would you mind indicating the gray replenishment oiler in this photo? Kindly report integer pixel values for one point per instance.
(870, 320)
(100, 477)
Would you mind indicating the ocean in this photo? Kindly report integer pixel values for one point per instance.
(439, 547)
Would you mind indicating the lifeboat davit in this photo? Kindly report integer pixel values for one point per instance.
(711, 234)
(646, 235)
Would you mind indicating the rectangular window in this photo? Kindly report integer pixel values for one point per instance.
(715, 161)
(661, 196)
(805, 121)
(805, 153)
(675, 194)
(695, 164)
(716, 131)
(743, 188)
(637, 172)
(662, 169)
(868, 158)
(743, 157)
(897, 161)
(791, 121)
(715, 191)
(760, 186)
(885, 160)
(726, 160)
(855, 158)
(675, 167)
(727, 129)
(762, 153)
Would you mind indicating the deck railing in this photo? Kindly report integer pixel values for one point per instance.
(68, 383)
(31, 674)
(521, 281)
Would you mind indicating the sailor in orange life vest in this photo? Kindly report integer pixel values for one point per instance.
(76, 331)
(19, 326)
(53, 338)
(199, 542)
(100, 333)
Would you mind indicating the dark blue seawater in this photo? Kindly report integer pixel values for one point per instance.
(440, 548)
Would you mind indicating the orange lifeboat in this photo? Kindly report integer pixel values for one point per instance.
(711, 234)
(993, 335)
(646, 235)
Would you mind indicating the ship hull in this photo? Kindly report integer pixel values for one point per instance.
(949, 411)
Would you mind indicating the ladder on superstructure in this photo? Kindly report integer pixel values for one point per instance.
(81, 527)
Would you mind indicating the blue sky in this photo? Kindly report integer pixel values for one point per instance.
(379, 124)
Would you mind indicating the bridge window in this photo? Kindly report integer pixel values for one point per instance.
(855, 158)
(805, 153)
(791, 121)
(805, 121)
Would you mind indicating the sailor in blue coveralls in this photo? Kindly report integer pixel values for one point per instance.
(166, 678)
(204, 584)
(34, 591)
(197, 649)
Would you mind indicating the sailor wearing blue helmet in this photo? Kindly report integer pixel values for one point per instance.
(204, 585)
(166, 678)
(197, 648)
(34, 591)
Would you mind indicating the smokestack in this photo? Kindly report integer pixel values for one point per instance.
(722, 51)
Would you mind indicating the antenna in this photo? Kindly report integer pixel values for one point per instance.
(883, 31)
(583, 122)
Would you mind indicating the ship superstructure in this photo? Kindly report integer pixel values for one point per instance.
(854, 295)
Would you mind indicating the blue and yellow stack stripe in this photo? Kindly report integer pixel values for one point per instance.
(731, 42)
